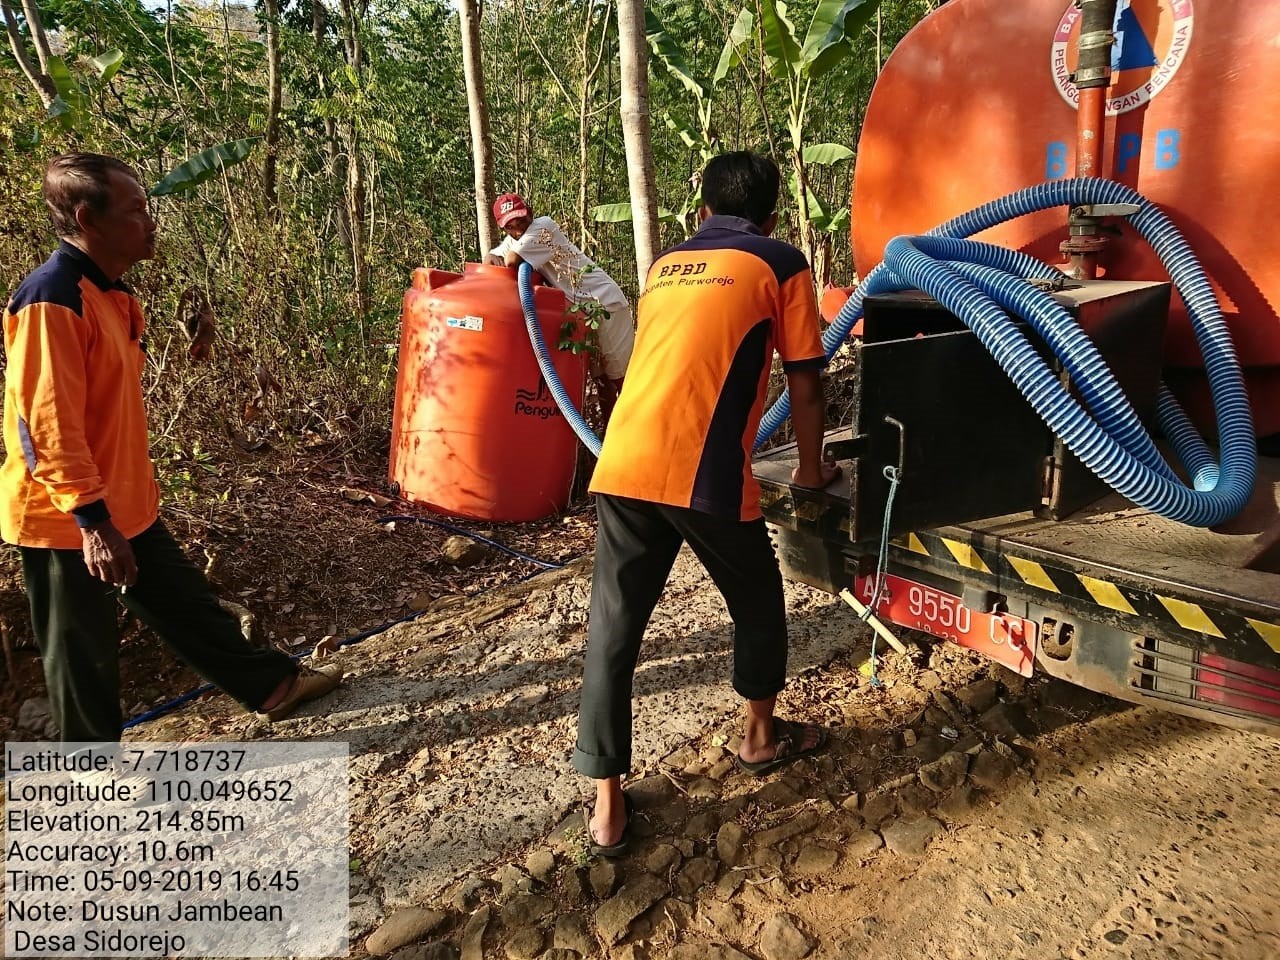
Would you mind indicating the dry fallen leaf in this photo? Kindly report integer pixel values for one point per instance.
(195, 319)
(356, 495)
(266, 382)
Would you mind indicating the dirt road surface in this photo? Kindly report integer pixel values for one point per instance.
(960, 812)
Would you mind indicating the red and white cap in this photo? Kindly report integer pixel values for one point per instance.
(508, 207)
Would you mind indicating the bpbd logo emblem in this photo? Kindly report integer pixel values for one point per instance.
(1151, 41)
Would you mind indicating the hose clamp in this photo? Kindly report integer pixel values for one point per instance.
(1096, 38)
(1092, 76)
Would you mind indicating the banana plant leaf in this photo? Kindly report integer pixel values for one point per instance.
(780, 45)
(730, 57)
(108, 64)
(826, 154)
(204, 165)
(835, 23)
(668, 51)
(621, 213)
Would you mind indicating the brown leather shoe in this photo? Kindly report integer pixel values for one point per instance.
(311, 684)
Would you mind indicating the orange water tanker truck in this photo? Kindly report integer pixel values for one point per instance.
(1117, 530)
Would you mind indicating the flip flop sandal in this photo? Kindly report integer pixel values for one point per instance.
(624, 841)
(789, 735)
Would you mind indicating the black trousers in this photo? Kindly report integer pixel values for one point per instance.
(74, 617)
(636, 545)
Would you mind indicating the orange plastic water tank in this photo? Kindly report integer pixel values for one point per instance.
(475, 431)
(977, 101)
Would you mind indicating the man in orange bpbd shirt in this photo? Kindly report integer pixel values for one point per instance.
(78, 494)
(676, 468)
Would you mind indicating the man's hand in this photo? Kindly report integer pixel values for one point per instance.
(495, 260)
(108, 555)
(826, 473)
(807, 411)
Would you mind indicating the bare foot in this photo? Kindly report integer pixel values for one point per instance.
(605, 832)
(609, 818)
(764, 744)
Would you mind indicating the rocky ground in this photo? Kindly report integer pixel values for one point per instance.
(960, 811)
(313, 551)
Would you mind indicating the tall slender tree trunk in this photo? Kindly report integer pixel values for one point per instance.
(353, 13)
(523, 140)
(634, 57)
(584, 164)
(35, 26)
(319, 26)
(591, 64)
(271, 10)
(36, 73)
(478, 114)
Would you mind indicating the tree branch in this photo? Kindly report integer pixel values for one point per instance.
(36, 28)
(40, 80)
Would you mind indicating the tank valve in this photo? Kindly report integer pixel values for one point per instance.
(1086, 241)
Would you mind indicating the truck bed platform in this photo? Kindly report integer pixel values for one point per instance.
(1113, 565)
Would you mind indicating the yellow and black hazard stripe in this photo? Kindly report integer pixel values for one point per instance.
(1049, 580)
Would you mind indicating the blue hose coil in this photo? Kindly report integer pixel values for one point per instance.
(977, 282)
(563, 401)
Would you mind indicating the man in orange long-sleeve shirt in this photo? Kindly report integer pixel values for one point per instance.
(78, 493)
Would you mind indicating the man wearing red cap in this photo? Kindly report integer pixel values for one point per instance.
(541, 243)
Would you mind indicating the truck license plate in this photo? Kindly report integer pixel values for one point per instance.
(1004, 638)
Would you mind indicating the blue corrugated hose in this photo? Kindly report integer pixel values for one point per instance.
(979, 283)
(571, 413)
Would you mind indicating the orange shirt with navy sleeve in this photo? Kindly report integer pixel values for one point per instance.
(713, 311)
(75, 431)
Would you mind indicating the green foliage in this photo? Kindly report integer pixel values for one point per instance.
(731, 56)
(621, 213)
(108, 64)
(578, 846)
(67, 106)
(374, 154)
(821, 217)
(203, 166)
(834, 24)
(778, 35)
(826, 153)
(669, 53)
(612, 213)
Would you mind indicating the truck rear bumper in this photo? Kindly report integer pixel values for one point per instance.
(1127, 605)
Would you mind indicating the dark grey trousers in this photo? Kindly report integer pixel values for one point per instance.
(636, 545)
(74, 617)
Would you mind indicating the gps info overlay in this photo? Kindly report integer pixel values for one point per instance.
(175, 850)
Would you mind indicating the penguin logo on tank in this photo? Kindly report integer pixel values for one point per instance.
(537, 403)
(1152, 39)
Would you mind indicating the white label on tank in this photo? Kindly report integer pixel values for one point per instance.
(465, 323)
